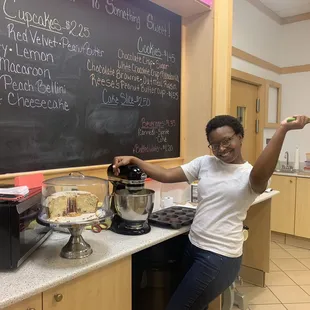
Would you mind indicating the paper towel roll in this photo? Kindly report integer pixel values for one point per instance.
(296, 162)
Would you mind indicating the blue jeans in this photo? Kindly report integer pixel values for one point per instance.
(206, 276)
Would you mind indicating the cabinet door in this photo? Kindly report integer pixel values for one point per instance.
(33, 303)
(108, 288)
(283, 205)
(302, 224)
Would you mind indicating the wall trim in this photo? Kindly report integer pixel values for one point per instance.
(296, 69)
(255, 60)
(275, 17)
(278, 86)
(295, 18)
(236, 52)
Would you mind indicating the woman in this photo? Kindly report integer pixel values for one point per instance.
(228, 185)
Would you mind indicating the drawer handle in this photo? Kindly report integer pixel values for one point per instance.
(31, 309)
(291, 181)
(58, 297)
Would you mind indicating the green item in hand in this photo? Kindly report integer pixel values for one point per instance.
(291, 119)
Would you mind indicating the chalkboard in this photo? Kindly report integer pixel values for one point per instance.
(85, 80)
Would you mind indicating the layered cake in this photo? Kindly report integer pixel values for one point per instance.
(71, 203)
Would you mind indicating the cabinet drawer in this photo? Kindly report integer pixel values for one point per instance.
(33, 303)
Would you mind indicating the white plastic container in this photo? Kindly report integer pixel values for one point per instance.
(180, 192)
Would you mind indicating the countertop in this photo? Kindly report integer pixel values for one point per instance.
(299, 174)
(46, 269)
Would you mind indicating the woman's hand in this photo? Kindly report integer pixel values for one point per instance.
(155, 172)
(121, 161)
(299, 123)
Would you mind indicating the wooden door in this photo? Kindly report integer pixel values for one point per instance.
(283, 204)
(243, 106)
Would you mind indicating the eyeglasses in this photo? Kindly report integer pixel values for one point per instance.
(224, 143)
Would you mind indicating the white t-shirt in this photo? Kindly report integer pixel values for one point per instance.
(224, 197)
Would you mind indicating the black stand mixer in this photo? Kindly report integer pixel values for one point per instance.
(131, 202)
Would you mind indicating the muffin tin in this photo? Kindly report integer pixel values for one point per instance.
(174, 217)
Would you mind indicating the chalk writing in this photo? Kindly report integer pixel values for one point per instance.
(86, 48)
(160, 27)
(98, 68)
(125, 14)
(17, 100)
(33, 54)
(77, 30)
(148, 49)
(95, 4)
(93, 73)
(146, 148)
(23, 69)
(44, 21)
(151, 148)
(124, 99)
(30, 36)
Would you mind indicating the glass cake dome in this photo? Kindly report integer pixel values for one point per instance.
(75, 202)
(75, 196)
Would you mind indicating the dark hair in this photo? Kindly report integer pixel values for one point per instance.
(224, 120)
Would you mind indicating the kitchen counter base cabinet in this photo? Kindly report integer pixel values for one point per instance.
(256, 252)
(108, 288)
(107, 279)
(32, 303)
(283, 205)
(290, 210)
(302, 227)
(156, 273)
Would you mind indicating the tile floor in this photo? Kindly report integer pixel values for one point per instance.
(288, 283)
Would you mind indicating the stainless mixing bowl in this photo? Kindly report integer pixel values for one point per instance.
(134, 207)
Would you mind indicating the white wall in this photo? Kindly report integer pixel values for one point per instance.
(254, 32)
(295, 44)
(296, 100)
(295, 50)
(282, 45)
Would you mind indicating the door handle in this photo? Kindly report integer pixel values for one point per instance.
(257, 126)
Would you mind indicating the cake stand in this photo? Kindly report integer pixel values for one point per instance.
(76, 247)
